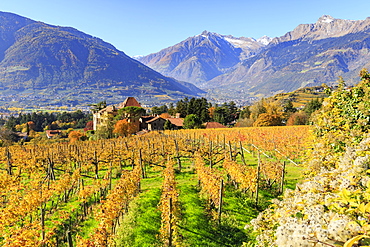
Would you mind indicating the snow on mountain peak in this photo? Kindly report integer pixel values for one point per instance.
(265, 40)
(326, 19)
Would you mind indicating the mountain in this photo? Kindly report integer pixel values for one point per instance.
(309, 55)
(203, 57)
(63, 63)
(229, 67)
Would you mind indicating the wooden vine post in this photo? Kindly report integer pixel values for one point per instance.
(141, 163)
(210, 154)
(177, 155)
(258, 177)
(96, 165)
(8, 161)
(231, 151)
(220, 202)
(282, 178)
(242, 153)
(170, 230)
(42, 219)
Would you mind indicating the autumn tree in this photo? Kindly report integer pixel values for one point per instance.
(343, 120)
(125, 128)
(75, 135)
(89, 126)
(7, 136)
(298, 118)
(256, 109)
(266, 119)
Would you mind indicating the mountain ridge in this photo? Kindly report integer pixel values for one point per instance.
(188, 60)
(36, 56)
(309, 55)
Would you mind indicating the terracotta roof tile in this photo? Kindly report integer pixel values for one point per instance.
(176, 121)
(130, 101)
(214, 125)
(152, 120)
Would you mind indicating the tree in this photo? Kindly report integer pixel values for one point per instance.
(168, 125)
(99, 106)
(266, 119)
(159, 110)
(182, 107)
(225, 114)
(132, 113)
(343, 121)
(257, 108)
(7, 136)
(171, 110)
(245, 113)
(220, 115)
(89, 126)
(298, 118)
(125, 128)
(192, 121)
(75, 135)
(288, 107)
(312, 106)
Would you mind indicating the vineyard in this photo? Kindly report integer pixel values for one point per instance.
(171, 188)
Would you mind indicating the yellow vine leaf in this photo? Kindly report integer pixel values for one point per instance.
(353, 240)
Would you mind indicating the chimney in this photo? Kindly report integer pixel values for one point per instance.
(178, 115)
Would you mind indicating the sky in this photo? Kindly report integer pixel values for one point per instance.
(141, 27)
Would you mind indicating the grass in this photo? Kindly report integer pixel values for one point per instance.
(140, 226)
(293, 176)
(198, 225)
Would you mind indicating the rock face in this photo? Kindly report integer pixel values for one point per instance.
(203, 57)
(309, 55)
(325, 27)
(38, 56)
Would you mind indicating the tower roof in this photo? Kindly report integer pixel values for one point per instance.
(130, 101)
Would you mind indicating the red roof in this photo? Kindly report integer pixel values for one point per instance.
(153, 119)
(214, 125)
(130, 101)
(176, 121)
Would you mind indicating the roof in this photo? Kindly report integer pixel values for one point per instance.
(176, 121)
(130, 101)
(154, 119)
(214, 125)
(108, 109)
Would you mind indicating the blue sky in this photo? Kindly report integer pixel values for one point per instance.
(141, 27)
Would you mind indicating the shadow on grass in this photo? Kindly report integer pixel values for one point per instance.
(198, 229)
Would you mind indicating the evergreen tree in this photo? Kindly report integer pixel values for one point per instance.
(192, 121)
(245, 113)
(312, 106)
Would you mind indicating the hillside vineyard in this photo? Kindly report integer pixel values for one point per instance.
(55, 189)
